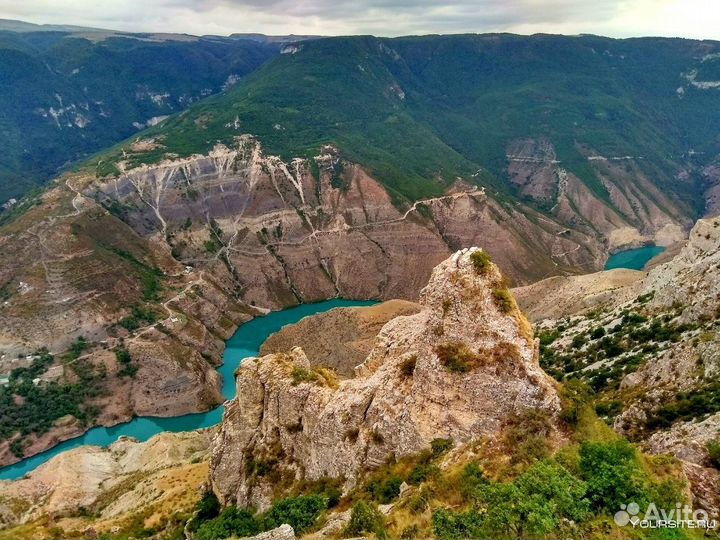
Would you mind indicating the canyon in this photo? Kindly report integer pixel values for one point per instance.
(124, 278)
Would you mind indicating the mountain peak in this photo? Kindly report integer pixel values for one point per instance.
(461, 368)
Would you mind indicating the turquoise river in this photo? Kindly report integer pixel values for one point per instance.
(635, 259)
(245, 342)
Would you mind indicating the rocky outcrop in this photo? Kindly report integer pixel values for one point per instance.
(691, 279)
(283, 532)
(705, 487)
(460, 368)
(113, 483)
(687, 440)
(688, 287)
(73, 269)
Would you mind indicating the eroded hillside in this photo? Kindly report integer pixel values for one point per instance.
(648, 348)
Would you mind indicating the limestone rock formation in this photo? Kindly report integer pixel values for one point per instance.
(687, 440)
(691, 278)
(283, 532)
(285, 226)
(688, 284)
(460, 368)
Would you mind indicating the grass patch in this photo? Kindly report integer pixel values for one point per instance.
(503, 300)
(482, 262)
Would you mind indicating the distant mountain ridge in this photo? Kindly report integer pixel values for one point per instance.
(14, 25)
(422, 111)
(68, 91)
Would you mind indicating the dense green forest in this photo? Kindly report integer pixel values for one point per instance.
(64, 95)
(422, 111)
(29, 405)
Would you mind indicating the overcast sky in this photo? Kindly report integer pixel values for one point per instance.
(617, 18)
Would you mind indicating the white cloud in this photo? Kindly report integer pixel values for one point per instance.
(619, 18)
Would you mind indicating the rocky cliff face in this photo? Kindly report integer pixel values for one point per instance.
(460, 368)
(634, 212)
(691, 278)
(73, 269)
(207, 242)
(688, 286)
(283, 228)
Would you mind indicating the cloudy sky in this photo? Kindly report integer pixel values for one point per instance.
(617, 18)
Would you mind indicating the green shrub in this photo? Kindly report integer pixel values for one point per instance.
(457, 525)
(385, 490)
(207, 508)
(301, 375)
(695, 403)
(365, 518)
(325, 487)
(713, 448)
(536, 503)
(77, 347)
(576, 395)
(471, 479)
(667, 493)
(530, 450)
(17, 447)
(421, 472)
(411, 532)
(597, 332)
(526, 438)
(419, 502)
(440, 446)
(232, 522)
(612, 473)
(127, 368)
(547, 337)
(481, 261)
(557, 488)
(300, 513)
(139, 315)
(215, 243)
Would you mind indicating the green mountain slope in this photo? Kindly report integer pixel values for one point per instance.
(421, 111)
(66, 94)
